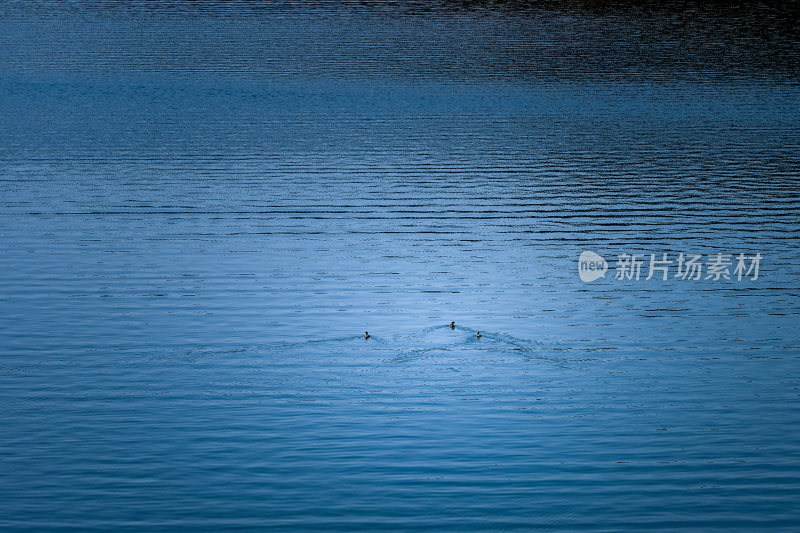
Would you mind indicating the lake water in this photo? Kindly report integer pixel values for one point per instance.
(204, 205)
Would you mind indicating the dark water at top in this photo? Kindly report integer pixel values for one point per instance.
(204, 205)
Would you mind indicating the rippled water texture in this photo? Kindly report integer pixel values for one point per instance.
(203, 206)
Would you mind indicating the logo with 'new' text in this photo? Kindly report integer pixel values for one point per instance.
(591, 266)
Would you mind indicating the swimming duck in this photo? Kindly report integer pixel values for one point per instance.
(367, 335)
(453, 325)
(478, 335)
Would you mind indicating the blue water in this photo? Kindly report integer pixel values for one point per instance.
(203, 206)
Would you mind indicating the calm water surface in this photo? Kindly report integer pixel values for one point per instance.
(203, 206)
